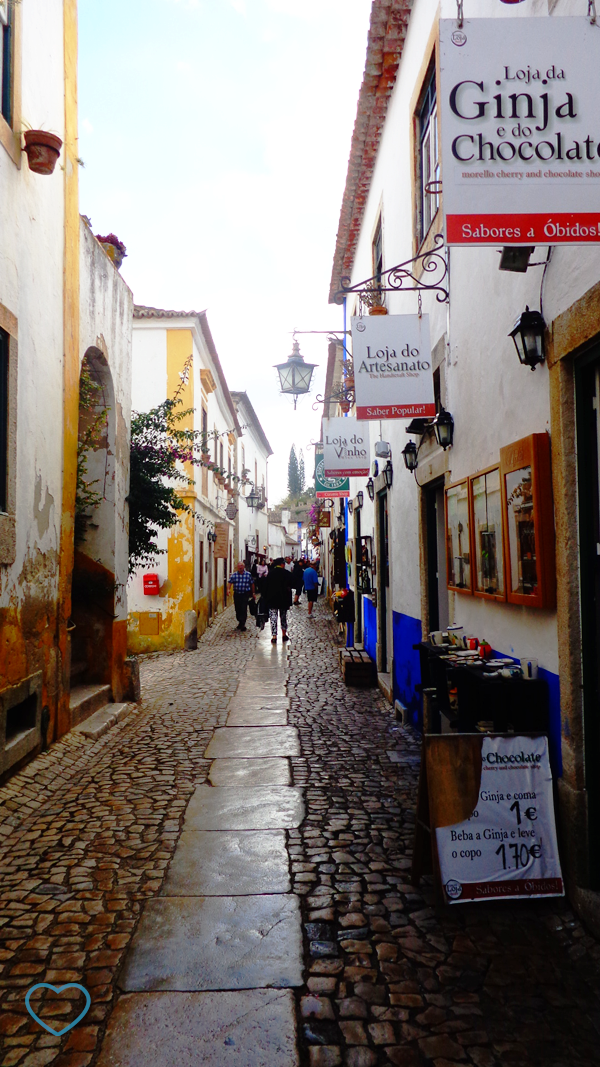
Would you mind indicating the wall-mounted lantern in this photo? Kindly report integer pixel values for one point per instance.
(360, 497)
(388, 474)
(410, 453)
(371, 489)
(443, 425)
(295, 375)
(528, 336)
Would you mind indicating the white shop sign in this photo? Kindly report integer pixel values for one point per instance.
(520, 130)
(345, 447)
(392, 367)
(507, 848)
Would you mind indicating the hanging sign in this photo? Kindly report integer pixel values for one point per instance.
(345, 447)
(221, 550)
(520, 131)
(507, 846)
(328, 487)
(392, 367)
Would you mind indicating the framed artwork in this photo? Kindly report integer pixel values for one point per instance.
(487, 535)
(529, 550)
(458, 543)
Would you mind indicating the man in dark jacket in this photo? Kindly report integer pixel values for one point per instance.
(297, 580)
(279, 598)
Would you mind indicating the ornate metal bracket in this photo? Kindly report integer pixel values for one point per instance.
(403, 278)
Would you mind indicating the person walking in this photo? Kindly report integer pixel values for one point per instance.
(279, 598)
(297, 580)
(311, 584)
(243, 586)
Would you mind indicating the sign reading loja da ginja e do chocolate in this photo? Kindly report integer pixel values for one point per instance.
(520, 130)
(393, 378)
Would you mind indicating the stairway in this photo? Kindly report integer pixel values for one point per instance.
(91, 704)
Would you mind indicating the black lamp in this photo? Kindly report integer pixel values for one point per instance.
(528, 335)
(295, 374)
(410, 453)
(360, 496)
(253, 498)
(443, 425)
(371, 489)
(350, 507)
(388, 474)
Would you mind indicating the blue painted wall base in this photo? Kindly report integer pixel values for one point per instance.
(407, 667)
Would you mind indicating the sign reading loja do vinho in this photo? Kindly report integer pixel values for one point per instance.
(345, 447)
(392, 367)
(520, 131)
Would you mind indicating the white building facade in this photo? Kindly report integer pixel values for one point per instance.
(411, 572)
(253, 451)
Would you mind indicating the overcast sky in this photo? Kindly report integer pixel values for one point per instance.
(215, 136)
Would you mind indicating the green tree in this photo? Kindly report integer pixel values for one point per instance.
(301, 472)
(293, 474)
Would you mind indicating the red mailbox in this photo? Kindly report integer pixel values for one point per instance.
(151, 584)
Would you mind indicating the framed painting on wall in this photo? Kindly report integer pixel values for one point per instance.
(529, 550)
(487, 534)
(458, 546)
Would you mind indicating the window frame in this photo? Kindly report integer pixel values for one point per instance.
(10, 131)
(8, 541)
(426, 130)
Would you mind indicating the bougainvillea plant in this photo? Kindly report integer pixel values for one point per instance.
(112, 239)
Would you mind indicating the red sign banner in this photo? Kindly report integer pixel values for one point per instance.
(567, 228)
(396, 411)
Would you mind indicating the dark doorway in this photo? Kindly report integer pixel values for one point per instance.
(384, 581)
(435, 521)
(587, 386)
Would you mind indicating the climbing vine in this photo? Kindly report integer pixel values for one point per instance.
(92, 430)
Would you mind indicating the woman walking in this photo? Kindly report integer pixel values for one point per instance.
(278, 592)
(297, 581)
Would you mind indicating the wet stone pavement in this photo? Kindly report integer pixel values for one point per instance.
(220, 821)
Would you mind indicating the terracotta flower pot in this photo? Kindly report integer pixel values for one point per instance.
(379, 309)
(43, 150)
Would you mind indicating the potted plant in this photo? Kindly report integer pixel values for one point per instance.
(114, 248)
(43, 150)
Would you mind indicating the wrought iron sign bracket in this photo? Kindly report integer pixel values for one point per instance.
(403, 278)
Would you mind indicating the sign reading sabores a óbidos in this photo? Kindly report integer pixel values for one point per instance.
(520, 131)
(345, 447)
(392, 367)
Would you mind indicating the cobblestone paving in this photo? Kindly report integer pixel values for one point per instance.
(87, 832)
(394, 979)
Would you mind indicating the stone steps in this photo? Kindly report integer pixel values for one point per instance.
(103, 719)
(86, 699)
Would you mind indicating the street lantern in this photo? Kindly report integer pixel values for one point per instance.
(371, 489)
(388, 474)
(295, 375)
(411, 456)
(443, 424)
(253, 499)
(360, 496)
(528, 335)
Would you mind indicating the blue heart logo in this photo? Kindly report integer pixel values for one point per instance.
(58, 989)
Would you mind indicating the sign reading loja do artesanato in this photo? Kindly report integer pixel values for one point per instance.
(345, 447)
(392, 367)
(520, 131)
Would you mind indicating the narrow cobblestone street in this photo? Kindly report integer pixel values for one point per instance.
(89, 830)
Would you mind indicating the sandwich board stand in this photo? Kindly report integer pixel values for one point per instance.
(485, 818)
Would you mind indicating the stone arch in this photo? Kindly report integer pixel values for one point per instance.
(93, 584)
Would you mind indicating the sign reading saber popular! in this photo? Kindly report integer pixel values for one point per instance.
(520, 131)
(392, 367)
(345, 447)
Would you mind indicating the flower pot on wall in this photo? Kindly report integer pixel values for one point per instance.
(115, 249)
(43, 150)
(378, 309)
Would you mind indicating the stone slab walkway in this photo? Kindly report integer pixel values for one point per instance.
(99, 863)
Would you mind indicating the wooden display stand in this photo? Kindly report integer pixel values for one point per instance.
(357, 667)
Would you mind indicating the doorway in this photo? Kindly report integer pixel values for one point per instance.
(587, 399)
(436, 574)
(384, 580)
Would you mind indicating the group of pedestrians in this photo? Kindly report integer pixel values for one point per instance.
(270, 590)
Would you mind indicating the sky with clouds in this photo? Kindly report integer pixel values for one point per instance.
(215, 136)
